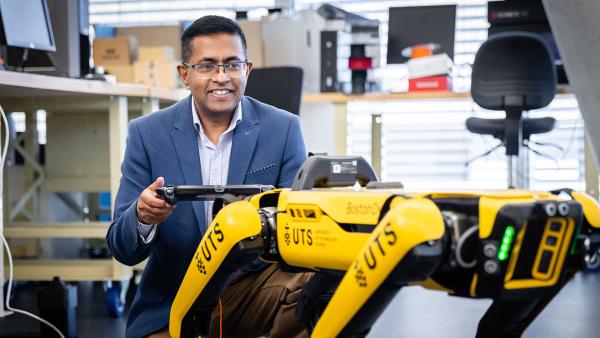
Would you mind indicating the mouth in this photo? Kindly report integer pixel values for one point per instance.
(224, 92)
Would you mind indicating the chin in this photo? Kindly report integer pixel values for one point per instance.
(222, 108)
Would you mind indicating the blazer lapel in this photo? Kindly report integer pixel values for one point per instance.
(186, 145)
(245, 136)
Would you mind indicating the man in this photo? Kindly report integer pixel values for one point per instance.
(214, 136)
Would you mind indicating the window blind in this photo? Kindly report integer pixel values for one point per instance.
(159, 12)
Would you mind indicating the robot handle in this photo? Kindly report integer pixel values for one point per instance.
(333, 171)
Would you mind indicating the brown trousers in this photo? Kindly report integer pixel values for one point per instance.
(259, 304)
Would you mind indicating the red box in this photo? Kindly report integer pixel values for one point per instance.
(432, 83)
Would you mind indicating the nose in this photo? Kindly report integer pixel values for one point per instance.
(221, 75)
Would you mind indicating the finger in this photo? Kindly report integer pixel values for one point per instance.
(154, 202)
(156, 184)
(154, 215)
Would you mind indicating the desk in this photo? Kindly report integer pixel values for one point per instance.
(29, 92)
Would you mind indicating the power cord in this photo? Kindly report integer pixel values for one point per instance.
(8, 254)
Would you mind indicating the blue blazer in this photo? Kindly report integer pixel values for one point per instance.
(267, 149)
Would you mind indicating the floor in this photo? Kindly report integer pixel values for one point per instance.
(414, 312)
(93, 320)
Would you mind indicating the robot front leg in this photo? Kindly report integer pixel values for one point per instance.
(404, 247)
(510, 318)
(232, 241)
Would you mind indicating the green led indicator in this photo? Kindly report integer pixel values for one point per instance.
(507, 240)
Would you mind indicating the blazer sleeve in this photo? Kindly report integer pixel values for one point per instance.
(123, 236)
(294, 154)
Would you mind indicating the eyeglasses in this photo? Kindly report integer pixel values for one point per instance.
(209, 69)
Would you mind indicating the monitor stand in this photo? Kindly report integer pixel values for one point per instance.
(28, 60)
(34, 61)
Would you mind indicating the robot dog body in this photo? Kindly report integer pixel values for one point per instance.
(516, 247)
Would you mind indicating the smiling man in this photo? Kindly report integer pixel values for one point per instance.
(214, 136)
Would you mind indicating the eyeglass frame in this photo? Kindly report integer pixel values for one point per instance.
(192, 66)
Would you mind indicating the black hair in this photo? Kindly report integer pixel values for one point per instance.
(209, 25)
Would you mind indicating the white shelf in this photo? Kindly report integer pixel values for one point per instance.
(68, 269)
(56, 229)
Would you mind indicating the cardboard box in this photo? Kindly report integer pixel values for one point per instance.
(156, 73)
(124, 73)
(114, 51)
(156, 36)
(254, 40)
(160, 53)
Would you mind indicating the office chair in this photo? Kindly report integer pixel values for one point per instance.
(514, 72)
(278, 86)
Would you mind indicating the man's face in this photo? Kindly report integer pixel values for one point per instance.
(221, 93)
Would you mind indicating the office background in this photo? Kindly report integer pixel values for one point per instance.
(423, 142)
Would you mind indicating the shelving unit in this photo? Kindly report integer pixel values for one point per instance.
(70, 103)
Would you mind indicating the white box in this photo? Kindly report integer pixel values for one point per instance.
(439, 64)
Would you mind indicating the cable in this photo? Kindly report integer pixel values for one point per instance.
(8, 254)
(10, 280)
(574, 129)
(220, 318)
(461, 241)
(24, 57)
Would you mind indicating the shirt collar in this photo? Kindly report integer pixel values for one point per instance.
(235, 120)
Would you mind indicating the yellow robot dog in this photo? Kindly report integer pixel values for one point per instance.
(516, 247)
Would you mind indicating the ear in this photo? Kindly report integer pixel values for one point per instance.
(183, 74)
(249, 69)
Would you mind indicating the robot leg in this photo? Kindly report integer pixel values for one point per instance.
(232, 241)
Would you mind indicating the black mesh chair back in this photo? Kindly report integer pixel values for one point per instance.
(514, 72)
(278, 86)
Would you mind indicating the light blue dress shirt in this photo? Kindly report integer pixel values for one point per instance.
(214, 158)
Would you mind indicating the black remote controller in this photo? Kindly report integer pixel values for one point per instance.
(173, 194)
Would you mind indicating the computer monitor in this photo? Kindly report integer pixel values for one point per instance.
(59, 36)
(528, 16)
(410, 26)
(26, 24)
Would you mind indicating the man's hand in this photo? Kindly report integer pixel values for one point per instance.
(150, 208)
